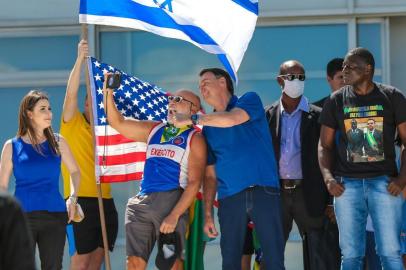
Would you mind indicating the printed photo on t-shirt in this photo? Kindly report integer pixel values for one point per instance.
(365, 139)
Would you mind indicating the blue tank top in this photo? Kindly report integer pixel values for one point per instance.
(37, 177)
(167, 160)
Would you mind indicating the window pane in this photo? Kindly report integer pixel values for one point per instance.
(37, 53)
(369, 36)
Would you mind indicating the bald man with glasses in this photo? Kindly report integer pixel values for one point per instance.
(174, 168)
(293, 123)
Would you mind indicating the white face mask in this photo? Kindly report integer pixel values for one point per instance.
(293, 89)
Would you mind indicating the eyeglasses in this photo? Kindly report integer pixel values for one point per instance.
(291, 77)
(178, 99)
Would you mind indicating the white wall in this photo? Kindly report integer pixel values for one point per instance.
(38, 11)
(280, 8)
(286, 8)
(379, 3)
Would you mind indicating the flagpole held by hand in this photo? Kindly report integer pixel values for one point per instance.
(99, 190)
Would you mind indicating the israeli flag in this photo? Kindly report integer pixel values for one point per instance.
(222, 27)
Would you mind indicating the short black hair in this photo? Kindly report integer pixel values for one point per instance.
(335, 65)
(365, 55)
(219, 73)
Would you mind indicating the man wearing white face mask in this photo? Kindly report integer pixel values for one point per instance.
(293, 123)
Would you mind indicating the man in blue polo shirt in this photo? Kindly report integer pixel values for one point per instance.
(242, 168)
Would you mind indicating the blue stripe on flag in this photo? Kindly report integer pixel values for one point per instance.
(223, 59)
(248, 5)
(150, 15)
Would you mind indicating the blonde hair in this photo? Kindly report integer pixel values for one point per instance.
(25, 125)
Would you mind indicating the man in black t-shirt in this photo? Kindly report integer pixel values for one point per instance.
(371, 184)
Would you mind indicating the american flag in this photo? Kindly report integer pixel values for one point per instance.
(119, 159)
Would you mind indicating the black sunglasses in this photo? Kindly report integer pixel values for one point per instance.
(291, 77)
(178, 99)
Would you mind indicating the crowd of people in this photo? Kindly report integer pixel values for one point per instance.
(331, 165)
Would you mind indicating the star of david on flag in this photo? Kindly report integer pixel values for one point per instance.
(165, 4)
(119, 159)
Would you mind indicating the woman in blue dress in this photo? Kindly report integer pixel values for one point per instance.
(34, 156)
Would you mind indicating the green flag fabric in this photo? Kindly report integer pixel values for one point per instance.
(195, 237)
(371, 140)
(258, 251)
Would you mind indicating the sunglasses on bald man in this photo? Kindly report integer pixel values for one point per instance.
(291, 77)
(178, 99)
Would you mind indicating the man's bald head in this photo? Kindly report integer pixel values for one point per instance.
(291, 67)
(191, 96)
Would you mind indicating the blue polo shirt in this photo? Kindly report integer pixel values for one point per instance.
(243, 155)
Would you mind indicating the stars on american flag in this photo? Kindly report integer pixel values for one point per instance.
(127, 94)
(134, 98)
(97, 77)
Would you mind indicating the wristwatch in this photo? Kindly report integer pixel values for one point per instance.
(73, 199)
(195, 119)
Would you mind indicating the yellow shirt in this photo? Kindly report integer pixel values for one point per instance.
(77, 132)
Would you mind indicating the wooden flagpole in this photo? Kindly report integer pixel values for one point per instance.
(99, 190)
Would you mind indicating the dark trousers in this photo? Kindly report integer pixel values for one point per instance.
(294, 208)
(262, 206)
(48, 232)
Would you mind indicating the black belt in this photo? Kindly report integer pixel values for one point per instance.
(291, 183)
